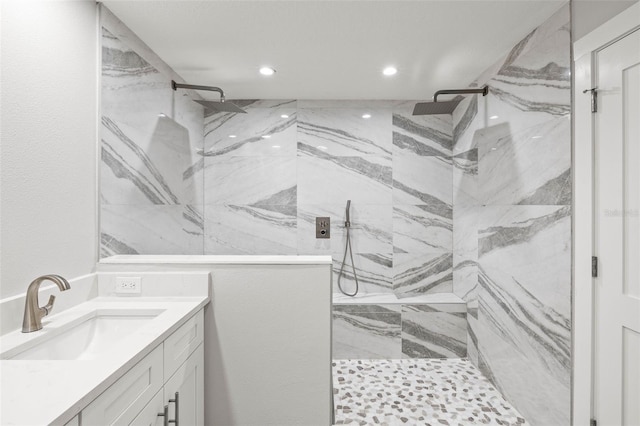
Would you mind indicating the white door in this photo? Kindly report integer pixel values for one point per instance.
(617, 231)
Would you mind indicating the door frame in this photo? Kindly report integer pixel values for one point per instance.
(584, 54)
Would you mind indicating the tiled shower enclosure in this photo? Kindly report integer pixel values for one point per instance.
(477, 204)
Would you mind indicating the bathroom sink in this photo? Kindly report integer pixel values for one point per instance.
(88, 337)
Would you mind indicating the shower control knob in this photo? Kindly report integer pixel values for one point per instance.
(323, 227)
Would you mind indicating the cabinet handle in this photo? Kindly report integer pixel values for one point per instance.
(177, 402)
(165, 414)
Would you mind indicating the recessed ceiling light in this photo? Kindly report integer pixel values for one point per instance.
(284, 116)
(494, 148)
(266, 136)
(389, 71)
(267, 71)
(365, 116)
(232, 136)
(493, 117)
(162, 115)
(536, 137)
(275, 146)
(322, 147)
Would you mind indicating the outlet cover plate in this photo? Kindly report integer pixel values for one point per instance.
(323, 227)
(128, 285)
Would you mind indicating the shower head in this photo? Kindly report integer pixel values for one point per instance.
(435, 107)
(432, 108)
(219, 106)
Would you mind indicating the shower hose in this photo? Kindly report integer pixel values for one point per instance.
(347, 247)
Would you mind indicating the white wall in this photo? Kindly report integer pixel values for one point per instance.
(48, 140)
(587, 15)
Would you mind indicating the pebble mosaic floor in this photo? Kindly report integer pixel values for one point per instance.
(417, 392)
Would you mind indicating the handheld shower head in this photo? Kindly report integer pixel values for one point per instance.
(347, 222)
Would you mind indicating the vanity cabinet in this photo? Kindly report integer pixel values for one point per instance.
(174, 366)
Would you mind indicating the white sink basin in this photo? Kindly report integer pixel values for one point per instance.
(88, 337)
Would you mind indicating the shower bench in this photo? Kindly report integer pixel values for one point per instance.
(381, 326)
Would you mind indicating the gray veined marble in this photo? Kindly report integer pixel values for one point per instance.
(374, 273)
(366, 331)
(434, 331)
(509, 169)
(247, 180)
(524, 305)
(250, 229)
(151, 229)
(416, 230)
(425, 135)
(119, 61)
(266, 130)
(415, 274)
(533, 84)
(422, 180)
(538, 392)
(323, 178)
(343, 132)
(132, 174)
(370, 232)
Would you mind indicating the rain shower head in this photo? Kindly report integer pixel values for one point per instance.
(218, 106)
(435, 107)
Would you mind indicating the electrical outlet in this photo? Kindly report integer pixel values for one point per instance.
(128, 285)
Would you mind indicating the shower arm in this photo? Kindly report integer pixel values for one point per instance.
(176, 86)
(484, 90)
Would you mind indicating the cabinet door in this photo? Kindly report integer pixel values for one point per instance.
(149, 414)
(188, 381)
(122, 401)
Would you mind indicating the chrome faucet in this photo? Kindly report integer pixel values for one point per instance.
(32, 312)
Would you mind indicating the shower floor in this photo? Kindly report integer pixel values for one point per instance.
(417, 392)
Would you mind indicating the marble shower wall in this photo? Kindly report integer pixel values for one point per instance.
(512, 222)
(151, 190)
(269, 173)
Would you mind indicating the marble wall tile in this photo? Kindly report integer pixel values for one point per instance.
(434, 331)
(542, 397)
(512, 224)
(525, 305)
(325, 179)
(370, 231)
(151, 229)
(465, 178)
(250, 180)
(415, 274)
(151, 155)
(133, 91)
(465, 278)
(153, 173)
(529, 247)
(344, 132)
(424, 180)
(472, 339)
(418, 229)
(509, 169)
(374, 272)
(423, 135)
(366, 331)
(250, 229)
(268, 129)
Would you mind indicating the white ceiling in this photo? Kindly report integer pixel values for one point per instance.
(325, 49)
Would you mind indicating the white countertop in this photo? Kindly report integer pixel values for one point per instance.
(208, 260)
(53, 392)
